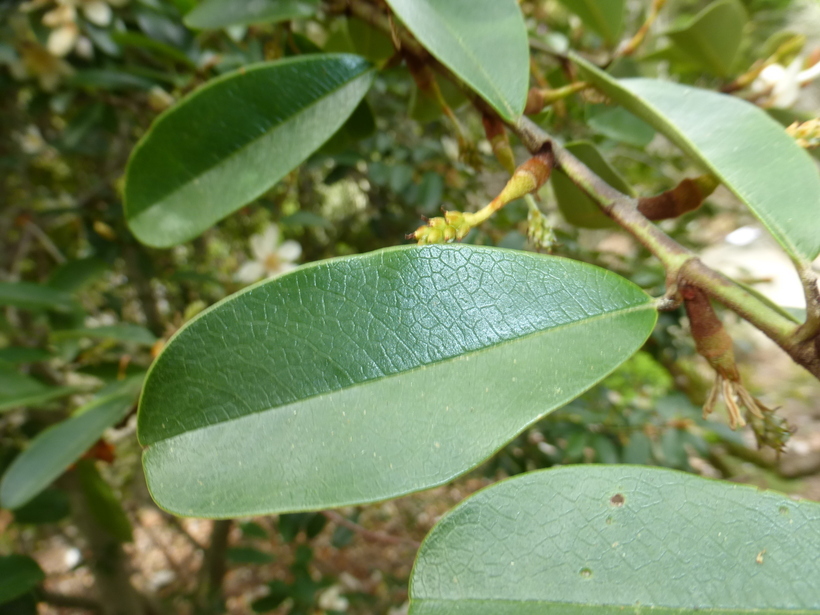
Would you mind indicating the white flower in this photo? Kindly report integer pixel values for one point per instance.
(332, 600)
(62, 19)
(270, 258)
(778, 85)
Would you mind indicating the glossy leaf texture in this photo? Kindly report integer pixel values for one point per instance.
(712, 37)
(18, 574)
(753, 155)
(212, 14)
(484, 42)
(620, 539)
(576, 207)
(606, 17)
(369, 377)
(19, 390)
(52, 451)
(233, 139)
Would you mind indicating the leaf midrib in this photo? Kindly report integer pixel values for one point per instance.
(600, 316)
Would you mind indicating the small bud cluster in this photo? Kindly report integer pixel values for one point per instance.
(806, 134)
(454, 226)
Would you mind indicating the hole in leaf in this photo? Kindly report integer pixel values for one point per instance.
(784, 510)
(586, 573)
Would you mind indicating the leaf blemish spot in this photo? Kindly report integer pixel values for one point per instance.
(617, 500)
(586, 573)
(784, 510)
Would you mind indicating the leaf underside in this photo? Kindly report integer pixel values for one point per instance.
(620, 539)
(739, 143)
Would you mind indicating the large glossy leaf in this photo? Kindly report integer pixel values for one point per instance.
(620, 539)
(233, 139)
(221, 13)
(18, 390)
(576, 207)
(606, 17)
(34, 297)
(712, 38)
(368, 377)
(484, 42)
(55, 449)
(739, 143)
(18, 574)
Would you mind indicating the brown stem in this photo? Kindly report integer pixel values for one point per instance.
(108, 560)
(368, 534)
(214, 568)
(69, 602)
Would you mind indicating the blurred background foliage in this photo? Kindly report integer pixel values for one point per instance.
(84, 307)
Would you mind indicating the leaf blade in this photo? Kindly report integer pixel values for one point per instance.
(181, 179)
(345, 375)
(55, 449)
(484, 42)
(754, 157)
(213, 14)
(716, 546)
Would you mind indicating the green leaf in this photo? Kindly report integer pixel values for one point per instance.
(233, 139)
(576, 207)
(620, 539)
(123, 332)
(484, 42)
(18, 574)
(606, 17)
(619, 124)
(248, 555)
(103, 503)
(712, 38)
(23, 354)
(212, 14)
(50, 506)
(753, 155)
(30, 296)
(369, 377)
(77, 274)
(55, 449)
(18, 390)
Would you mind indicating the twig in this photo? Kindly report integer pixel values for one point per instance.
(69, 602)
(368, 534)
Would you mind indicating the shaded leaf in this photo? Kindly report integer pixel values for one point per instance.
(52, 451)
(18, 574)
(306, 392)
(103, 503)
(606, 17)
(613, 539)
(248, 555)
(233, 139)
(712, 38)
(576, 207)
(123, 332)
(34, 297)
(50, 506)
(753, 155)
(212, 14)
(18, 390)
(619, 124)
(23, 354)
(484, 42)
